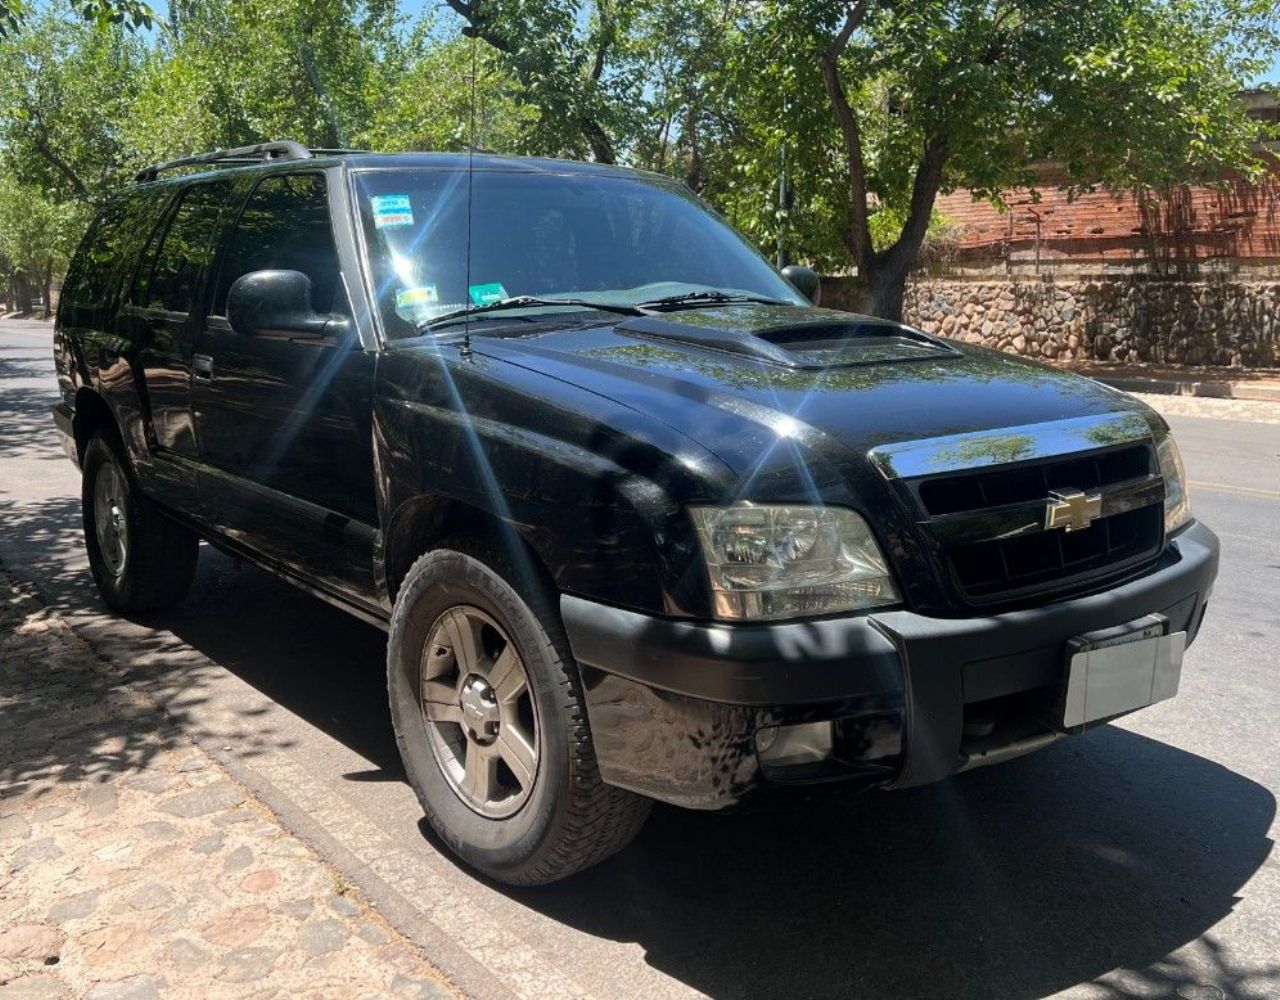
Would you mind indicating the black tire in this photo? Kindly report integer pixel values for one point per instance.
(160, 555)
(570, 819)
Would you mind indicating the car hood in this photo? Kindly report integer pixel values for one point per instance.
(742, 379)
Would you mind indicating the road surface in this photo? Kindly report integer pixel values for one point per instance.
(1136, 860)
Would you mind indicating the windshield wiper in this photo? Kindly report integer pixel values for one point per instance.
(710, 296)
(522, 302)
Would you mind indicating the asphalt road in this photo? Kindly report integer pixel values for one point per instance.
(1136, 860)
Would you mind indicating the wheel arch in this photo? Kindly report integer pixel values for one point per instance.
(92, 413)
(423, 522)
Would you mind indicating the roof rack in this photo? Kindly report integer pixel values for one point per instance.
(262, 152)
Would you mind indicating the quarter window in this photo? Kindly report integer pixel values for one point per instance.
(186, 248)
(108, 248)
(285, 226)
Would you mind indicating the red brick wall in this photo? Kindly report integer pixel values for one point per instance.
(1239, 220)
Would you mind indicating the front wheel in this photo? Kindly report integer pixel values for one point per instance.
(141, 560)
(488, 715)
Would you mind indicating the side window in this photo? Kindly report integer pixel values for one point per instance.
(285, 226)
(184, 250)
(105, 252)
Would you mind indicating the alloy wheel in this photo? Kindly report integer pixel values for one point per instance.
(110, 518)
(479, 711)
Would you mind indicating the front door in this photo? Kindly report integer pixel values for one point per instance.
(284, 426)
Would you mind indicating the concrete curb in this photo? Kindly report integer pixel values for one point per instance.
(1208, 388)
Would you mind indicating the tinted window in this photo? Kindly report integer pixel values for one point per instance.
(285, 226)
(185, 248)
(610, 237)
(107, 253)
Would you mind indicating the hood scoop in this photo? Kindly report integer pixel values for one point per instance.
(790, 337)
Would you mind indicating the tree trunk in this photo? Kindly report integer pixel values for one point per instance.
(21, 293)
(883, 288)
(48, 292)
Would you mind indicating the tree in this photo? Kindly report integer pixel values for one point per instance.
(65, 89)
(232, 72)
(128, 13)
(569, 61)
(37, 238)
(925, 96)
(428, 100)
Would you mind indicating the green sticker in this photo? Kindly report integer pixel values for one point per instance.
(482, 295)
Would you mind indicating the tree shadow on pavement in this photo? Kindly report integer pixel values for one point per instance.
(316, 661)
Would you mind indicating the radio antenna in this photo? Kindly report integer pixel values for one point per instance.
(471, 163)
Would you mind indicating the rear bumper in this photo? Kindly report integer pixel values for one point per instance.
(64, 421)
(674, 706)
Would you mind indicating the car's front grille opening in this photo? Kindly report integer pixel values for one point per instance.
(988, 568)
(1002, 485)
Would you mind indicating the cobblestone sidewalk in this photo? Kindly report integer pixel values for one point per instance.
(133, 866)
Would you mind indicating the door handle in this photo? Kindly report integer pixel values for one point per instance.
(202, 367)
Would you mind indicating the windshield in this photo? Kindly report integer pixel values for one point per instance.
(608, 238)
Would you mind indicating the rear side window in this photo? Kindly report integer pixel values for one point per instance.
(105, 254)
(185, 249)
(285, 226)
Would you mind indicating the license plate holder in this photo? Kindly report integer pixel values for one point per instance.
(1117, 670)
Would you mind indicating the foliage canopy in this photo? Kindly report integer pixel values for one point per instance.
(824, 129)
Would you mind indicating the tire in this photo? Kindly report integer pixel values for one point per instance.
(142, 560)
(567, 819)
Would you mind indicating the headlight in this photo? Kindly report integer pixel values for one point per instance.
(772, 561)
(1177, 505)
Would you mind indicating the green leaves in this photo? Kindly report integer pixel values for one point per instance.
(727, 95)
(103, 13)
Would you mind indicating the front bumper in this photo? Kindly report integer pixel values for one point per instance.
(674, 706)
(64, 421)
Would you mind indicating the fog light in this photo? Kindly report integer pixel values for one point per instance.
(783, 746)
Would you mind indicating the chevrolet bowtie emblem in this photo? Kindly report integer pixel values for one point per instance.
(1072, 510)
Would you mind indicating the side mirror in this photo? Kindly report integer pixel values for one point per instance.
(805, 280)
(274, 304)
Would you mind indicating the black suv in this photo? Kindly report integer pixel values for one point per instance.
(640, 520)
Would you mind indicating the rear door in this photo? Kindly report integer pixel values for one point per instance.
(160, 318)
(283, 425)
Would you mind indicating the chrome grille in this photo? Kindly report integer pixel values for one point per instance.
(986, 523)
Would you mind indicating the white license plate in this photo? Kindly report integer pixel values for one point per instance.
(1118, 670)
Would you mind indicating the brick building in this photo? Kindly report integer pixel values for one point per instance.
(1192, 226)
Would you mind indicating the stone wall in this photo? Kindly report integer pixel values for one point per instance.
(1131, 319)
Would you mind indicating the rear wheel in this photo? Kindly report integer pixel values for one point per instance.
(488, 714)
(141, 559)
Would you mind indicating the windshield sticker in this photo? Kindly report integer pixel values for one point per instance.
(391, 210)
(483, 295)
(416, 302)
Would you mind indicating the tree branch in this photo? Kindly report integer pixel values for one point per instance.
(924, 191)
(41, 140)
(606, 39)
(478, 25)
(858, 237)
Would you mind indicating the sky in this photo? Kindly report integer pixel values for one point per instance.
(1272, 75)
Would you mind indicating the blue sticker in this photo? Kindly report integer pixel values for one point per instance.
(391, 210)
